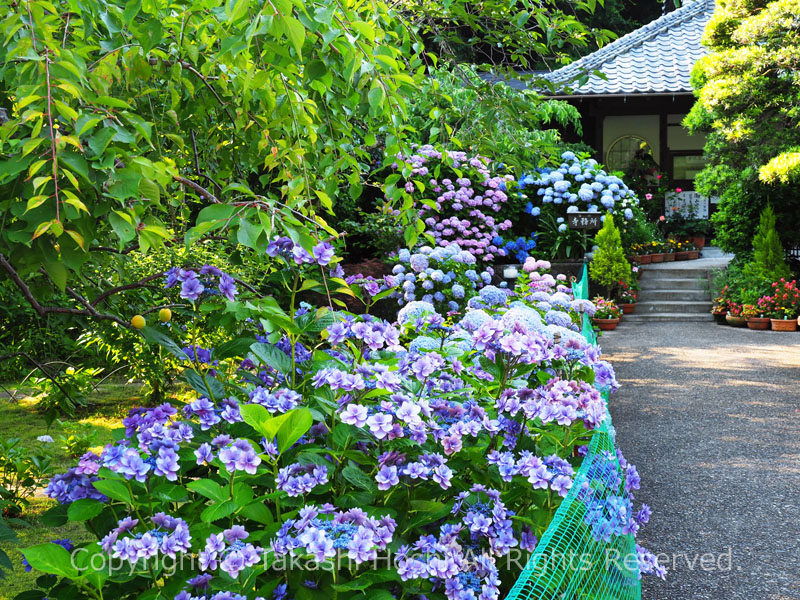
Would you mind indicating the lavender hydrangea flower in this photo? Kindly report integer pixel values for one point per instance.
(323, 253)
(191, 289)
(227, 287)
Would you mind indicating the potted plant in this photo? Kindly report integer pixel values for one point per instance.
(627, 296)
(783, 305)
(734, 317)
(720, 308)
(657, 252)
(642, 253)
(755, 317)
(692, 251)
(607, 315)
(669, 250)
(681, 251)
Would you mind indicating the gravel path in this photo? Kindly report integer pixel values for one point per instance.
(710, 415)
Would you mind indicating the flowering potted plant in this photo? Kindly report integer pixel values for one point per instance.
(641, 252)
(607, 313)
(783, 305)
(692, 251)
(721, 303)
(755, 316)
(627, 296)
(681, 249)
(670, 247)
(734, 317)
(657, 252)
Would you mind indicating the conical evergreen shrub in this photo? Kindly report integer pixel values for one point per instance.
(768, 257)
(609, 265)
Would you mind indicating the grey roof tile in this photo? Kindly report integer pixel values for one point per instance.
(656, 58)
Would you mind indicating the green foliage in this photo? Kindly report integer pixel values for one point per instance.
(768, 258)
(133, 124)
(67, 393)
(44, 339)
(502, 34)
(559, 242)
(609, 266)
(6, 535)
(748, 101)
(373, 234)
(79, 437)
(21, 472)
(457, 107)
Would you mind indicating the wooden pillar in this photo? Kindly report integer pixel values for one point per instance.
(664, 159)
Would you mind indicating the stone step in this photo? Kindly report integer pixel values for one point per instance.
(642, 319)
(670, 283)
(658, 295)
(644, 308)
(683, 273)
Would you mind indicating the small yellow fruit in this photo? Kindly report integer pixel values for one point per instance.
(165, 315)
(138, 322)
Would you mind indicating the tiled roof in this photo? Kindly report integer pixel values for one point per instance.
(656, 58)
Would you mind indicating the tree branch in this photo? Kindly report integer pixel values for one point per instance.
(127, 286)
(43, 311)
(41, 368)
(203, 192)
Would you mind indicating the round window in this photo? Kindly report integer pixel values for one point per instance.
(624, 149)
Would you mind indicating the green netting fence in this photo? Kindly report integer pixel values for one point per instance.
(583, 554)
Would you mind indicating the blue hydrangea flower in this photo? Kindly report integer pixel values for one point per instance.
(493, 296)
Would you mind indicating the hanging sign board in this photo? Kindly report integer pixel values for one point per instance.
(584, 220)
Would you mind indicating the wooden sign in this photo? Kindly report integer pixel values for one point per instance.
(584, 220)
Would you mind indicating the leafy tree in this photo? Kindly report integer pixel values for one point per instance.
(457, 107)
(748, 101)
(609, 266)
(129, 125)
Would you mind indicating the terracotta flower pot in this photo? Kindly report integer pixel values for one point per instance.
(657, 258)
(644, 259)
(682, 255)
(694, 254)
(758, 323)
(627, 308)
(784, 324)
(736, 321)
(606, 324)
(699, 241)
(669, 257)
(719, 317)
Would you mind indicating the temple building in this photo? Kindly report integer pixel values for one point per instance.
(636, 95)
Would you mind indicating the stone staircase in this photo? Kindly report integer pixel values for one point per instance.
(677, 291)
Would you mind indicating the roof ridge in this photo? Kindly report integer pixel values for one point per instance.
(632, 39)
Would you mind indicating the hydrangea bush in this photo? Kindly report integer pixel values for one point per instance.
(460, 198)
(579, 184)
(328, 455)
(445, 276)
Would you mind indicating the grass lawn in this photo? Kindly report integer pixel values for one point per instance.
(110, 403)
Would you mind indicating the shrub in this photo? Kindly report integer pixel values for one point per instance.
(334, 437)
(445, 276)
(21, 472)
(459, 198)
(768, 257)
(66, 394)
(578, 184)
(609, 266)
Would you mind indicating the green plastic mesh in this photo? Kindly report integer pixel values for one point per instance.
(582, 554)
